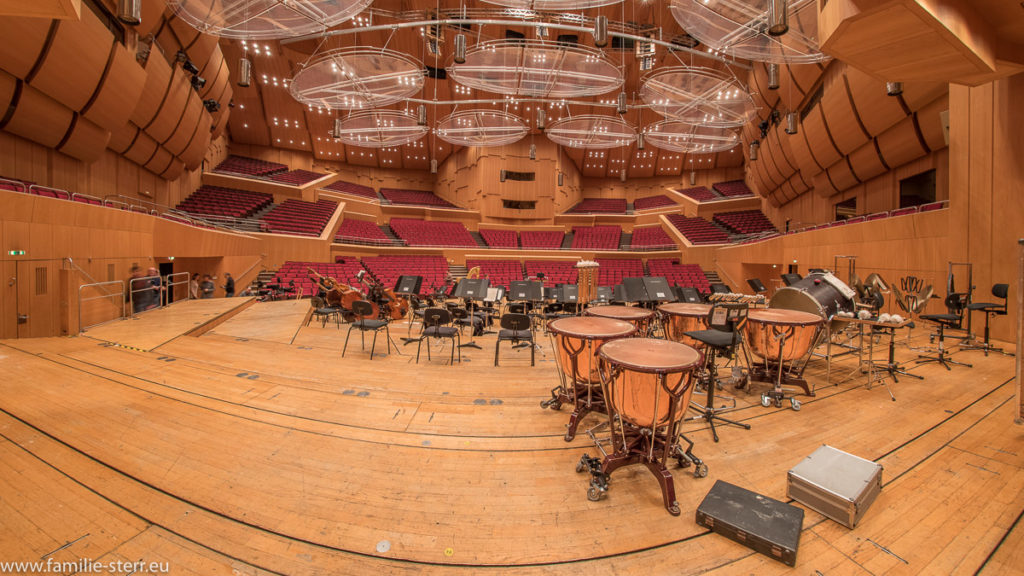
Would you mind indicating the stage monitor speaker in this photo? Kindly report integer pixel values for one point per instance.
(690, 295)
(635, 291)
(756, 285)
(409, 285)
(473, 289)
(658, 289)
(790, 279)
(719, 288)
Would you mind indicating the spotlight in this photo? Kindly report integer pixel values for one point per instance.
(778, 17)
(622, 103)
(533, 151)
(198, 82)
(601, 31)
(130, 12)
(180, 56)
(460, 48)
(894, 88)
(421, 115)
(211, 105)
(773, 76)
(763, 127)
(189, 67)
(754, 145)
(244, 73)
(791, 120)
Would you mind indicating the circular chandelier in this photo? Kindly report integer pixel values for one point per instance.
(698, 96)
(691, 138)
(537, 68)
(740, 28)
(480, 128)
(591, 131)
(379, 129)
(553, 5)
(265, 19)
(357, 79)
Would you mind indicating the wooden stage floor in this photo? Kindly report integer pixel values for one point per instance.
(254, 448)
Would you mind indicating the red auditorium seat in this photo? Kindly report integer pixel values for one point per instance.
(650, 237)
(415, 198)
(745, 221)
(345, 272)
(361, 232)
(698, 230)
(249, 166)
(432, 233)
(686, 275)
(219, 201)
(648, 202)
(555, 271)
(300, 217)
(613, 270)
(353, 189)
(733, 188)
(498, 272)
(599, 206)
(698, 193)
(296, 177)
(542, 239)
(499, 238)
(387, 269)
(596, 237)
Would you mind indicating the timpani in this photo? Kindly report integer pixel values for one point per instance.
(639, 317)
(576, 341)
(683, 317)
(783, 340)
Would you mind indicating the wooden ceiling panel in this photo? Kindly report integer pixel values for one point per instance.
(72, 67)
(23, 42)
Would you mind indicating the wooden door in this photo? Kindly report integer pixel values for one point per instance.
(37, 300)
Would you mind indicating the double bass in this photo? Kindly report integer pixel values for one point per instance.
(338, 295)
(395, 307)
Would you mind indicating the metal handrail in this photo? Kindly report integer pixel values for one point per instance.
(119, 294)
(169, 283)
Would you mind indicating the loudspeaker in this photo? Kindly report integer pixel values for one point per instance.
(756, 285)
(409, 285)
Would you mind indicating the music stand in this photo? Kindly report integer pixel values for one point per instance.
(618, 293)
(472, 289)
(756, 285)
(690, 294)
(719, 288)
(409, 285)
(634, 290)
(658, 289)
(604, 294)
(790, 279)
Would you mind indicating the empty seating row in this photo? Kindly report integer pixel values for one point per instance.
(698, 193)
(249, 166)
(733, 188)
(686, 275)
(218, 201)
(612, 271)
(596, 237)
(698, 230)
(414, 197)
(600, 205)
(300, 217)
(555, 271)
(296, 177)
(361, 232)
(648, 202)
(498, 272)
(745, 221)
(353, 189)
(542, 239)
(387, 270)
(432, 233)
(499, 238)
(650, 237)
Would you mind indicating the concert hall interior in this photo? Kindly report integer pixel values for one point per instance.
(511, 286)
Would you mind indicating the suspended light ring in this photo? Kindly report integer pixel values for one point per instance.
(591, 131)
(265, 19)
(690, 138)
(357, 79)
(379, 129)
(480, 128)
(698, 96)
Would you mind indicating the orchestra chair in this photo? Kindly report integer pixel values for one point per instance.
(990, 309)
(464, 318)
(437, 324)
(952, 320)
(321, 311)
(515, 328)
(723, 335)
(362, 310)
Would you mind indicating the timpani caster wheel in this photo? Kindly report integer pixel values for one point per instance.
(701, 471)
(594, 494)
(795, 404)
(674, 509)
(765, 400)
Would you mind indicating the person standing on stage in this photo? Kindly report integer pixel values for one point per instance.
(229, 285)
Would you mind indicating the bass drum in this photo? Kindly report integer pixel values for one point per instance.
(821, 294)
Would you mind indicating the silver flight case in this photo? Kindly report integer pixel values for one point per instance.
(839, 485)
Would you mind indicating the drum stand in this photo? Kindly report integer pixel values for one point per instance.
(561, 394)
(791, 377)
(708, 412)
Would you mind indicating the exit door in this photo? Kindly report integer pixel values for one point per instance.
(35, 303)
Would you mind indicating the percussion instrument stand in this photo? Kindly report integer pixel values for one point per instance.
(777, 393)
(708, 412)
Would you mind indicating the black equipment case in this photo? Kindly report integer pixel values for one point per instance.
(760, 523)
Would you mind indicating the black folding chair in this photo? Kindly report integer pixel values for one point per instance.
(437, 324)
(361, 309)
(515, 328)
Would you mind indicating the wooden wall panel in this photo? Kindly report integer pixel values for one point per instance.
(173, 170)
(900, 144)
(801, 155)
(158, 79)
(919, 94)
(23, 42)
(877, 110)
(866, 163)
(78, 55)
(186, 126)
(169, 114)
(193, 154)
(929, 121)
(118, 93)
(142, 149)
(86, 141)
(198, 46)
(821, 147)
(152, 17)
(121, 140)
(839, 114)
(8, 85)
(39, 118)
(160, 161)
(214, 70)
